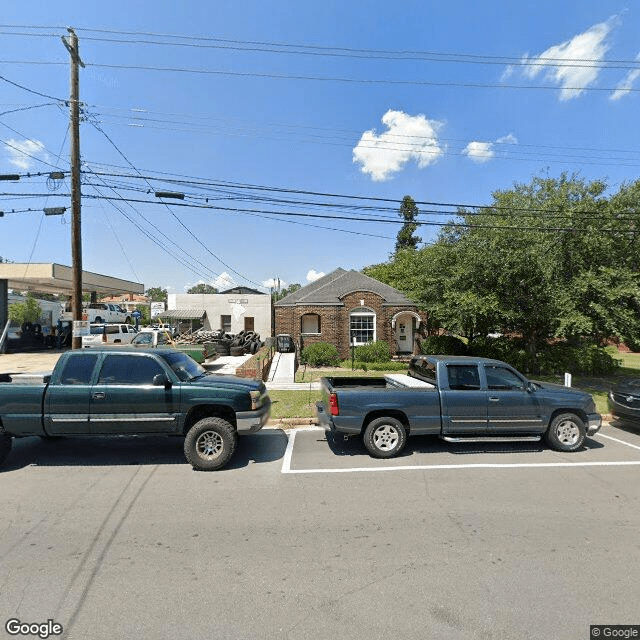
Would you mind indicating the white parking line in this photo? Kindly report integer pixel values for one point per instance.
(634, 446)
(286, 463)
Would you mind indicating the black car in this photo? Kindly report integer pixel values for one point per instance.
(624, 401)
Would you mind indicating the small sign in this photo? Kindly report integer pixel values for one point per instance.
(81, 328)
(156, 309)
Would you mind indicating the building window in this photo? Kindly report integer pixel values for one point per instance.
(362, 326)
(310, 323)
(248, 323)
(225, 323)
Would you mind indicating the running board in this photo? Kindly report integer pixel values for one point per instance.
(496, 439)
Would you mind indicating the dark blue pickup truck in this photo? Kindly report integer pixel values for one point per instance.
(115, 391)
(458, 398)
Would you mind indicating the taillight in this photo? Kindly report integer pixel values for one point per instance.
(333, 405)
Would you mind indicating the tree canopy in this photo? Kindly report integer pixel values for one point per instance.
(202, 288)
(552, 258)
(156, 294)
(409, 213)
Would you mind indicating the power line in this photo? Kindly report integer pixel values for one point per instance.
(37, 93)
(172, 213)
(339, 79)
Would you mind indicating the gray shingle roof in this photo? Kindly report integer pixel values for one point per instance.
(330, 289)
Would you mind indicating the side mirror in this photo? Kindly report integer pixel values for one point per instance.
(531, 388)
(161, 380)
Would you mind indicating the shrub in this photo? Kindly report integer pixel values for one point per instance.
(585, 359)
(377, 351)
(375, 366)
(510, 350)
(443, 345)
(320, 354)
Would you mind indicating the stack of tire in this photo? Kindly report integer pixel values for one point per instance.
(223, 345)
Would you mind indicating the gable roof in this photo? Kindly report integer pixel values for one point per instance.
(330, 290)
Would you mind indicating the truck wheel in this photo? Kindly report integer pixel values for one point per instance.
(5, 446)
(210, 443)
(566, 432)
(98, 320)
(385, 437)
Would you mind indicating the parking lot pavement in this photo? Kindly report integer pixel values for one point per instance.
(311, 451)
(120, 538)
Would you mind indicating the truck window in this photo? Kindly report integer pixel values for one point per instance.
(463, 377)
(125, 369)
(78, 369)
(502, 379)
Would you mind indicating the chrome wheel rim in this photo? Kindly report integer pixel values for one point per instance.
(386, 437)
(568, 432)
(209, 445)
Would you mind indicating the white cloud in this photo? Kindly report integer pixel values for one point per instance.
(273, 283)
(626, 84)
(314, 275)
(407, 138)
(223, 281)
(590, 45)
(20, 152)
(508, 139)
(479, 151)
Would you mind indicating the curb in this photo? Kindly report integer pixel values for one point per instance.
(291, 423)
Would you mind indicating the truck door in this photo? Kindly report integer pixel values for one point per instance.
(511, 406)
(125, 400)
(66, 407)
(464, 402)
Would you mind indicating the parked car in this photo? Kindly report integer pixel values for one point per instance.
(459, 399)
(109, 334)
(152, 338)
(115, 391)
(101, 312)
(173, 332)
(624, 401)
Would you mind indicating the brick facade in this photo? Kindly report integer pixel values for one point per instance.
(334, 321)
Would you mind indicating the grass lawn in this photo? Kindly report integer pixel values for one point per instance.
(293, 404)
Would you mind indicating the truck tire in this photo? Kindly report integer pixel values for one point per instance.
(385, 437)
(5, 446)
(566, 432)
(98, 320)
(210, 443)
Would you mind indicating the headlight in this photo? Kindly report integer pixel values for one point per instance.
(257, 399)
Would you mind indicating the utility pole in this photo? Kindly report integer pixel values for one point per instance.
(76, 238)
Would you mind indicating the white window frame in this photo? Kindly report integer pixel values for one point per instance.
(362, 312)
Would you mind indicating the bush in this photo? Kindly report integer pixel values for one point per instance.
(585, 359)
(510, 350)
(320, 354)
(377, 351)
(375, 366)
(443, 345)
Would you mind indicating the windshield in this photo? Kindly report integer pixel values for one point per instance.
(184, 366)
(143, 338)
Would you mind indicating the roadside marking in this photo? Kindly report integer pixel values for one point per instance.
(286, 463)
(634, 446)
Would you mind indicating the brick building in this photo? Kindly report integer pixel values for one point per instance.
(345, 308)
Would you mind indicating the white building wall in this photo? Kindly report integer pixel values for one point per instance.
(237, 305)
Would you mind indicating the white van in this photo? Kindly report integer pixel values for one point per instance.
(109, 334)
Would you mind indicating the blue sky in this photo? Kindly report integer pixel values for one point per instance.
(309, 101)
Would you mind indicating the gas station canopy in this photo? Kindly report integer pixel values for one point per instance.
(56, 278)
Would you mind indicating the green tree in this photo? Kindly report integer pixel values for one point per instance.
(202, 288)
(156, 294)
(554, 257)
(409, 213)
(278, 295)
(27, 311)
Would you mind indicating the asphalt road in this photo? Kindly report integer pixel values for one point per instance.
(298, 539)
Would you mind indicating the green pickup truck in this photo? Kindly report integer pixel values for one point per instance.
(115, 391)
